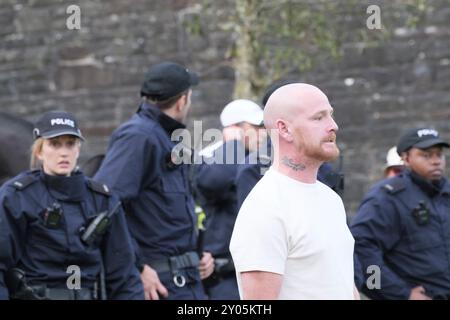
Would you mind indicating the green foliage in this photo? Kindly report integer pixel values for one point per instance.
(193, 25)
(276, 38)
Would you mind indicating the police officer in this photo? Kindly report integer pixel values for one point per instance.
(4, 255)
(243, 132)
(403, 226)
(155, 189)
(64, 236)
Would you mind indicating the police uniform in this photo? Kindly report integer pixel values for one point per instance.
(215, 184)
(46, 217)
(157, 198)
(249, 173)
(403, 226)
(4, 255)
(63, 237)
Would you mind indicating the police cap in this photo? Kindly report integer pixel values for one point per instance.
(166, 80)
(56, 123)
(421, 138)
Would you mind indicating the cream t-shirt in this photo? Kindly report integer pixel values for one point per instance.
(297, 230)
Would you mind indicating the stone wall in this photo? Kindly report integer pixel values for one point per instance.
(96, 73)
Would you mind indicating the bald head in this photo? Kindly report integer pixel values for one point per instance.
(290, 100)
(300, 122)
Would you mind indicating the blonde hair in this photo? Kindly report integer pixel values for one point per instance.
(36, 148)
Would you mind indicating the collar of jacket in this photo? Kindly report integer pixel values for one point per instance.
(431, 188)
(169, 124)
(63, 188)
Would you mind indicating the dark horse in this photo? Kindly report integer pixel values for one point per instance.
(16, 137)
(91, 166)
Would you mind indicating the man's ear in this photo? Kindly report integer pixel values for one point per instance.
(284, 130)
(182, 102)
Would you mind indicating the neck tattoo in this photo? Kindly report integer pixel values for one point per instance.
(294, 166)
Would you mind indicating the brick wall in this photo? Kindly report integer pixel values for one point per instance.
(96, 73)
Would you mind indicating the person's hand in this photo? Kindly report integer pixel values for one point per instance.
(233, 132)
(152, 285)
(418, 293)
(206, 266)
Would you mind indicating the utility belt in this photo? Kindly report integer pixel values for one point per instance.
(19, 289)
(41, 292)
(175, 264)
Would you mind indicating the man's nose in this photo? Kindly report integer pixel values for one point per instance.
(333, 125)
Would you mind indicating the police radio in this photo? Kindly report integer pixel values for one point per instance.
(421, 213)
(98, 226)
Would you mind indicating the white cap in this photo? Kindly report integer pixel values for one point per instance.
(241, 110)
(393, 159)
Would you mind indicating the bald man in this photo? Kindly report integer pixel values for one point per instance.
(290, 239)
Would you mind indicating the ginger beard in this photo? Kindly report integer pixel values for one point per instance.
(323, 150)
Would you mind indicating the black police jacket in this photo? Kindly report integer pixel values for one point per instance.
(403, 228)
(156, 194)
(216, 190)
(46, 243)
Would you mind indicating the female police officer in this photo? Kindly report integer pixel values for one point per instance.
(64, 235)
